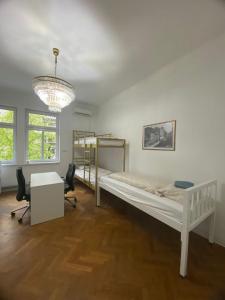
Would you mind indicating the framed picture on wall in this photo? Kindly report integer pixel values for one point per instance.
(160, 136)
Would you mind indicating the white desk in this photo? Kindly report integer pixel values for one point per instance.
(47, 197)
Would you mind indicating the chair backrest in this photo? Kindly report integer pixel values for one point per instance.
(70, 176)
(21, 190)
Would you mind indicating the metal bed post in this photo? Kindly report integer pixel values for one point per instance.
(124, 155)
(84, 155)
(96, 168)
(89, 160)
(73, 147)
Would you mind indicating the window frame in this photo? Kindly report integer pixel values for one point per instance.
(14, 127)
(43, 129)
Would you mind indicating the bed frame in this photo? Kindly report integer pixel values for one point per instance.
(89, 152)
(199, 204)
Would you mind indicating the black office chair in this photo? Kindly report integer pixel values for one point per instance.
(21, 194)
(69, 184)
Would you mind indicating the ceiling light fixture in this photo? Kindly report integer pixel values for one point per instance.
(54, 91)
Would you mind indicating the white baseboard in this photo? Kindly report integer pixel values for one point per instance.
(9, 188)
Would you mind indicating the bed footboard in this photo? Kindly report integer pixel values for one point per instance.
(199, 204)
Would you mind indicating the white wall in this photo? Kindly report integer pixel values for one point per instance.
(192, 91)
(68, 122)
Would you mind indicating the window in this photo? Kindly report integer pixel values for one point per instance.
(42, 135)
(7, 134)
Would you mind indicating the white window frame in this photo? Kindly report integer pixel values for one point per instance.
(43, 129)
(14, 127)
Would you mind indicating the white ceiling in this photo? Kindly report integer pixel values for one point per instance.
(106, 45)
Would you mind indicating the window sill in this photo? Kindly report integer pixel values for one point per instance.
(3, 164)
(42, 163)
(31, 164)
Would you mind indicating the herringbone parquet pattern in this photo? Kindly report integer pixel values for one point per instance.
(111, 253)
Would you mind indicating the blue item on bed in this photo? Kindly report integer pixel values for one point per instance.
(183, 184)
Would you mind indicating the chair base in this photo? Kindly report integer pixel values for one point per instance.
(73, 204)
(20, 220)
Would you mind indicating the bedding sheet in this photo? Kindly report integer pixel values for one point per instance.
(101, 172)
(151, 185)
(102, 142)
(88, 140)
(146, 199)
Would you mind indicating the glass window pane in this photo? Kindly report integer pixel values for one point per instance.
(42, 120)
(34, 144)
(6, 143)
(49, 145)
(6, 116)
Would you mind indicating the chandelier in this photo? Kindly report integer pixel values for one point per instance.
(54, 91)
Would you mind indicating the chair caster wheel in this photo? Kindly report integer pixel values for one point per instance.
(12, 214)
(20, 220)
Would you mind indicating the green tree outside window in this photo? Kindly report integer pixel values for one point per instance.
(7, 134)
(42, 137)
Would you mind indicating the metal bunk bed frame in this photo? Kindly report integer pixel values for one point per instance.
(90, 152)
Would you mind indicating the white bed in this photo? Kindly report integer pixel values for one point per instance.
(197, 205)
(145, 199)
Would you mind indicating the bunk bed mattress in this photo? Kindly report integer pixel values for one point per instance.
(87, 140)
(102, 141)
(101, 172)
(145, 199)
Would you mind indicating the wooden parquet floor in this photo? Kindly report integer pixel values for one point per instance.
(110, 253)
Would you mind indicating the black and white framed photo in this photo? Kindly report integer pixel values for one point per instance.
(160, 136)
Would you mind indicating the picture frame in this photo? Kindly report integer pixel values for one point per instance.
(159, 136)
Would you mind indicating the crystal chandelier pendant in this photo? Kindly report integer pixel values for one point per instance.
(54, 91)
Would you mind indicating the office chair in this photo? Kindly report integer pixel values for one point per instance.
(69, 184)
(21, 194)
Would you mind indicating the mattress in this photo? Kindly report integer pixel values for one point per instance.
(145, 199)
(102, 141)
(101, 172)
(150, 184)
(87, 140)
